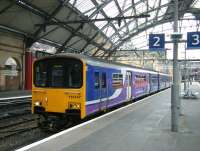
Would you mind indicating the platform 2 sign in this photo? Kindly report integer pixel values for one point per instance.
(193, 40)
(157, 42)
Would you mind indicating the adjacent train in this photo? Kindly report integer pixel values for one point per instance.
(69, 86)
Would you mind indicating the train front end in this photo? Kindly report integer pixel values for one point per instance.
(59, 87)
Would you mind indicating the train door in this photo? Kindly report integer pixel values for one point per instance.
(97, 84)
(150, 82)
(101, 89)
(129, 81)
(104, 91)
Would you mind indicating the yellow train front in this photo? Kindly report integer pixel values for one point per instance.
(58, 91)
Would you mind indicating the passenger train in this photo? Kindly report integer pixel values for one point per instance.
(70, 86)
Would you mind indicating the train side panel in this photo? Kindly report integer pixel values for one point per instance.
(121, 85)
(154, 82)
(101, 92)
(141, 84)
(162, 81)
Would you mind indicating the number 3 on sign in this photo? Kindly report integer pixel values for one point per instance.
(196, 40)
(193, 40)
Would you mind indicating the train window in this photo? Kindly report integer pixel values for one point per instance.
(96, 80)
(103, 80)
(75, 76)
(58, 73)
(117, 80)
(140, 80)
(57, 76)
(40, 75)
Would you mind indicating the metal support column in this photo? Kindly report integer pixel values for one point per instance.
(175, 87)
(185, 71)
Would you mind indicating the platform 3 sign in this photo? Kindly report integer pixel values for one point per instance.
(193, 40)
(156, 42)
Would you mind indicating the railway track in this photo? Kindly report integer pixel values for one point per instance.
(15, 112)
(14, 106)
(9, 127)
(15, 120)
(17, 131)
(15, 100)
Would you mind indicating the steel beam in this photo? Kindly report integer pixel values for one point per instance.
(28, 6)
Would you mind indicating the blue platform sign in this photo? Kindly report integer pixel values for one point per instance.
(193, 40)
(156, 42)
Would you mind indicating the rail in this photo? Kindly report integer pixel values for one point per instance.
(15, 100)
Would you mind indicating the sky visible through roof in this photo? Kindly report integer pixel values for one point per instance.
(155, 8)
(114, 8)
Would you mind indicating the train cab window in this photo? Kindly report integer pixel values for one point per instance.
(75, 76)
(57, 76)
(103, 80)
(41, 75)
(96, 80)
(58, 73)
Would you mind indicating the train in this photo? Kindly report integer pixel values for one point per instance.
(69, 86)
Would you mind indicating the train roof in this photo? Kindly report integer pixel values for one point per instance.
(104, 63)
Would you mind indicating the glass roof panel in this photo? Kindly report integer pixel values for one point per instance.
(163, 2)
(141, 8)
(89, 11)
(123, 31)
(100, 1)
(141, 21)
(162, 11)
(115, 38)
(152, 15)
(122, 3)
(129, 12)
(132, 25)
(111, 9)
(135, 1)
(109, 31)
(117, 25)
(153, 4)
(196, 4)
(128, 4)
(99, 24)
(81, 5)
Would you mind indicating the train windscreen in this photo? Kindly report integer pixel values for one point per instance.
(58, 73)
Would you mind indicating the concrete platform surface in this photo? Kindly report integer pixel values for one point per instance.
(144, 126)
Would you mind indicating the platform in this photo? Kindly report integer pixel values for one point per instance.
(17, 93)
(144, 126)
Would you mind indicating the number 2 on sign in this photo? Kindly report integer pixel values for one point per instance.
(157, 42)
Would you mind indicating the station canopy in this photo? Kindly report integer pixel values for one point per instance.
(46, 21)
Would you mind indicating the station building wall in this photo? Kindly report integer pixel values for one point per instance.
(11, 76)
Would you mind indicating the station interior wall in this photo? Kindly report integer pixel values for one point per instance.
(11, 76)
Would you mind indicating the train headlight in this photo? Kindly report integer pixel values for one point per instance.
(74, 106)
(37, 103)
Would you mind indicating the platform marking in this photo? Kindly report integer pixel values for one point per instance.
(83, 124)
(16, 97)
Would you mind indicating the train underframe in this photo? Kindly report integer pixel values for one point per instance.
(51, 121)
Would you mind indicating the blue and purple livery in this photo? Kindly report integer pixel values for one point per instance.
(74, 84)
